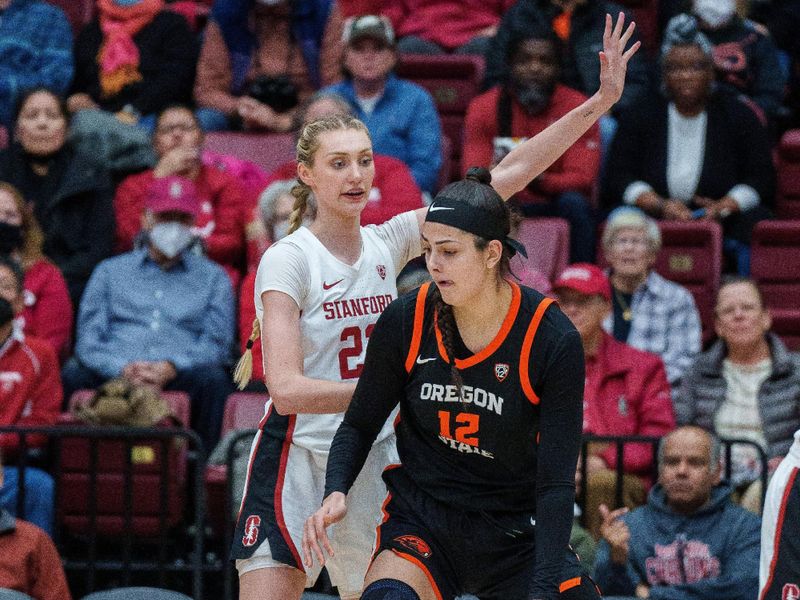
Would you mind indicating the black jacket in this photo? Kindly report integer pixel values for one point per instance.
(581, 65)
(168, 55)
(74, 206)
(737, 151)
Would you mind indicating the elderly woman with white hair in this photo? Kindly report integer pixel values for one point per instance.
(270, 224)
(649, 312)
(698, 152)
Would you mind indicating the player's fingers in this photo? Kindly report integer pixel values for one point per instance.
(322, 534)
(306, 545)
(631, 51)
(314, 539)
(623, 41)
(618, 27)
(607, 31)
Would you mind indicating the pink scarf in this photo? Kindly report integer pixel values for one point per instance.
(119, 57)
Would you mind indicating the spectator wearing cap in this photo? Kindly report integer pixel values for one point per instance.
(445, 26)
(400, 115)
(251, 45)
(160, 315)
(649, 312)
(698, 152)
(626, 393)
(526, 104)
(30, 395)
(178, 141)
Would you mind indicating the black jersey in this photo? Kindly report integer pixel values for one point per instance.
(510, 444)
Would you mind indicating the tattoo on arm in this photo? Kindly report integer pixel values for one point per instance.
(588, 114)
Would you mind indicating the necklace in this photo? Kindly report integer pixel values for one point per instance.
(627, 313)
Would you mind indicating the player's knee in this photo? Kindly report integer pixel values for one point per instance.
(389, 589)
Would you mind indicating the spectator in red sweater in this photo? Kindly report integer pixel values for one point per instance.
(626, 393)
(30, 394)
(526, 104)
(444, 26)
(29, 561)
(393, 189)
(47, 312)
(178, 141)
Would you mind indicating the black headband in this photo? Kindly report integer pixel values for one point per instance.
(472, 219)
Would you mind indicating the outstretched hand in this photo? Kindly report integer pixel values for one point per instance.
(315, 537)
(614, 58)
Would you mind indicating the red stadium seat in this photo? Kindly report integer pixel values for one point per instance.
(691, 255)
(787, 203)
(775, 266)
(453, 81)
(79, 12)
(243, 410)
(148, 464)
(267, 150)
(547, 242)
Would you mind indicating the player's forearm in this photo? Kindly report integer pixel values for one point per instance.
(297, 394)
(528, 160)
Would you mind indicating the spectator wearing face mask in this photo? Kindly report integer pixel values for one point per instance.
(161, 314)
(745, 57)
(177, 142)
(47, 312)
(528, 102)
(30, 396)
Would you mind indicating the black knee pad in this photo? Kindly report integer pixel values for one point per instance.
(389, 589)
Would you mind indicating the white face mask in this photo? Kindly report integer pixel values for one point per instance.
(715, 13)
(171, 238)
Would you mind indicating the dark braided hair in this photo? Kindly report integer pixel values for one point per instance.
(476, 190)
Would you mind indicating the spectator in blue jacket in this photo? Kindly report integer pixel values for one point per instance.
(690, 541)
(35, 51)
(400, 115)
(160, 315)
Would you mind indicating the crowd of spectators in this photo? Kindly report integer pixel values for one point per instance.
(126, 251)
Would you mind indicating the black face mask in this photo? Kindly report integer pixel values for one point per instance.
(10, 237)
(6, 312)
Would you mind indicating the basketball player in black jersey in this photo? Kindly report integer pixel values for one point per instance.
(489, 377)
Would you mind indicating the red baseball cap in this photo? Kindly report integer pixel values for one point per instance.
(584, 278)
(173, 194)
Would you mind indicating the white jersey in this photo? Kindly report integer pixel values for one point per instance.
(773, 525)
(339, 305)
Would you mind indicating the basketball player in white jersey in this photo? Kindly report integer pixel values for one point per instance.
(318, 292)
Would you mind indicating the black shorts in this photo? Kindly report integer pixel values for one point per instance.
(489, 555)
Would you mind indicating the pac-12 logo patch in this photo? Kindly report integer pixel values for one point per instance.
(381, 270)
(791, 591)
(501, 371)
(251, 530)
(415, 544)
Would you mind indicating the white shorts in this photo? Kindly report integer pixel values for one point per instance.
(285, 486)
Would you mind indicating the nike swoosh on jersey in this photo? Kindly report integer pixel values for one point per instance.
(327, 286)
(422, 361)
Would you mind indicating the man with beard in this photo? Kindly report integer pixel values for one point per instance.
(529, 101)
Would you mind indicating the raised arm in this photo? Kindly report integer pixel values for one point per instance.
(528, 160)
